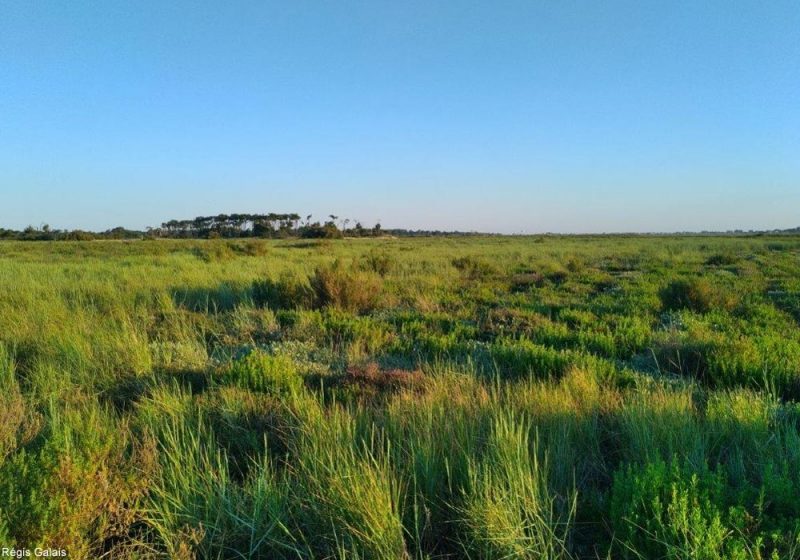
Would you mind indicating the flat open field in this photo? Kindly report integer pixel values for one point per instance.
(481, 398)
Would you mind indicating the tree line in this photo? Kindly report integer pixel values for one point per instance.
(46, 233)
(227, 226)
(263, 225)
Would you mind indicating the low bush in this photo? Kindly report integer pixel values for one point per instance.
(267, 373)
(302, 325)
(522, 358)
(371, 383)
(358, 335)
(215, 251)
(288, 292)
(346, 289)
(681, 509)
(695, 294)
(682, 354)
(722, 259)
(670, 510)
(474, 268)
(558, 277)
(55, 491)
(251, 248)
(524, 282)
(379, 262)
(765, 362)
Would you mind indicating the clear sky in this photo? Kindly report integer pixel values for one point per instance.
(495, 116)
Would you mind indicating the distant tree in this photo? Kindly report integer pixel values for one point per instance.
(312, 231)
(262, 228)
(79, 235)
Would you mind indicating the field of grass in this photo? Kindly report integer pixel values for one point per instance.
(480, 398)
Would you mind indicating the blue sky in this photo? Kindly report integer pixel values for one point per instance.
(494, 116)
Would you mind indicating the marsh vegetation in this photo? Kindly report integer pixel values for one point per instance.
(482, 398)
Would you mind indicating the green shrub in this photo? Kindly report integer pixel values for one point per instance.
(722, 259)
(517, 359)
(212, 299)
(67, 488)
(357, 335)
(787, 301)
(768, 362)
(251, 248)
(741, 422)
(631, 335)
(379, 262)
(695, 294)
(522, 358)
(474, 268)
(267, 373)
(669, 510)
(346, 289)
(524, 282)
(683, 353)
(215, 251)
(288, 292)
(558, 276)
(302, 325)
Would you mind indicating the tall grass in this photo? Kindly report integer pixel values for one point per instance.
(195, 508)
(348, 495)
(509, 510)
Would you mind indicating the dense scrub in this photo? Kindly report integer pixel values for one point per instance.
(392, 399)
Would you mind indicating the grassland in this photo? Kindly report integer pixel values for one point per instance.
(482, 398)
